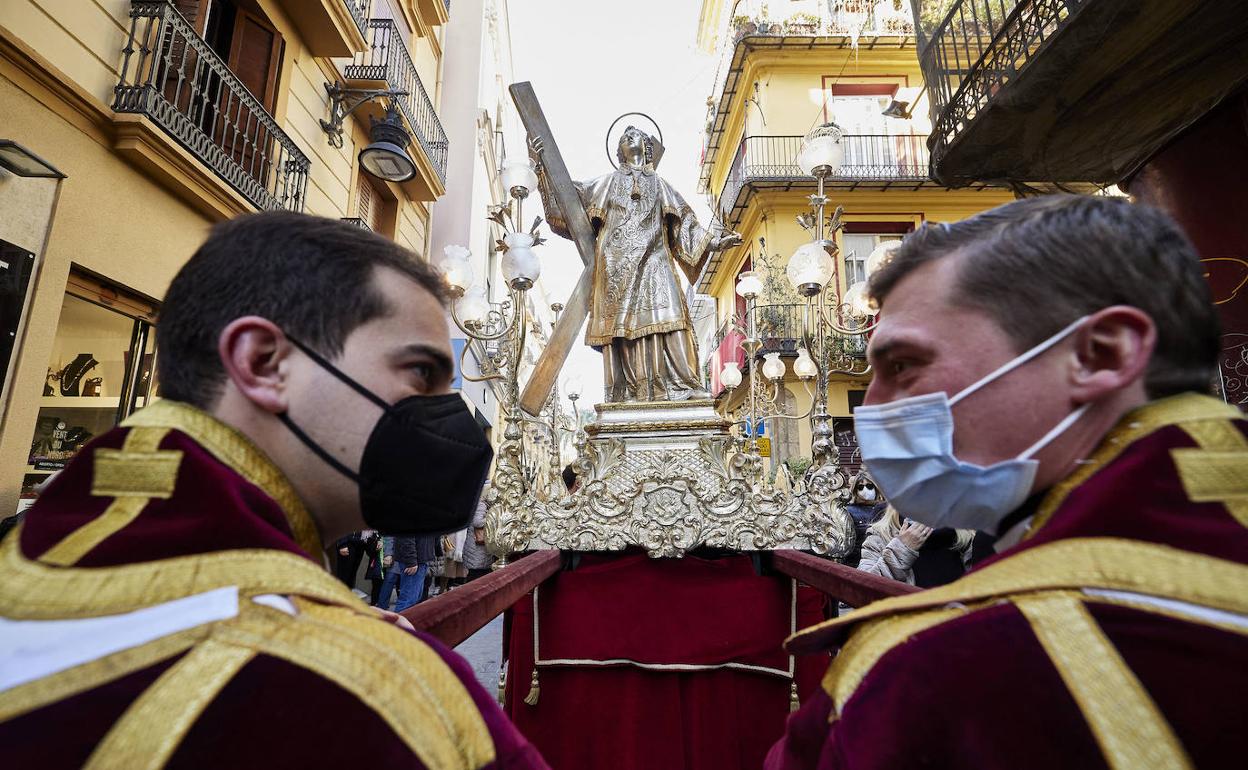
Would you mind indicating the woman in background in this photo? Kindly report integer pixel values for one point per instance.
(910, 552)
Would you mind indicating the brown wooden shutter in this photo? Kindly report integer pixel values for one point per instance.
(195, 12)
(255, 56)
(366, 206)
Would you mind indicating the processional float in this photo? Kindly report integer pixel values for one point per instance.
(661, 470)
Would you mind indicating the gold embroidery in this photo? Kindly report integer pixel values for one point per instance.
(140, 442)
(34, 591)
(152, 727)
(66, 684)
(118, 473)
(236, 451)
(1135, 425)
(1218, 471)
(402, 679)
(869, 644)
(1130, 730)
(1110, 563)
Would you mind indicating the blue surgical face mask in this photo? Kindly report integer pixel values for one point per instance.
(907, 445)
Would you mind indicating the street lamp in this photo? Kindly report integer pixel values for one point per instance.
(386, 157)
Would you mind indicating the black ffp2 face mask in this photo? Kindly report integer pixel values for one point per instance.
(424, 463)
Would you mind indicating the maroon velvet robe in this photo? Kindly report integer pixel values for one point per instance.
(992, 677)
(226, 500)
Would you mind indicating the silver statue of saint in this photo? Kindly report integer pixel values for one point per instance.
(643, 230)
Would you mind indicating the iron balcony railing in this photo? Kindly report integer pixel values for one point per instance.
(868, 157)
(387, 59)
(359, 12)
(975, 49)
(172, 76)
(358, 222)
(779, 327)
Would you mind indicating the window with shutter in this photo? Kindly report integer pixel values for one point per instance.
(367, 206)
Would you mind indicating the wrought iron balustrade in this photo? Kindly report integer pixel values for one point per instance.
(173, 76)
(387, 59)
(977, 47)
(868, 157)
(359, 10)
(358, 222)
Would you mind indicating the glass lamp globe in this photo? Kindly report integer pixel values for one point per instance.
(458, 273)
(518, 176)
(804, 367)
(880, 255)
(822, 150)
(730, 375)
(749, 285)
(572, 386)
(773, 367)
(859, 300)
(520, 264)
(473, 307)
(809, 269)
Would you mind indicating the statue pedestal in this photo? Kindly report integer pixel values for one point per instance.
(666, 477)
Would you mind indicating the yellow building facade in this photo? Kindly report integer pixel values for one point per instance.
(163, 117)
(779, 76)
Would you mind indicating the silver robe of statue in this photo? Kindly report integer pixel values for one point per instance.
(638, 316)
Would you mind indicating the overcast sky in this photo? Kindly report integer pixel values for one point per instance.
(591, 60)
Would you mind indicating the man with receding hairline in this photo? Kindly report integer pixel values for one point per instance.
(166, 604)
(1041, 374)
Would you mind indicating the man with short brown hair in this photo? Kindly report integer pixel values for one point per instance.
(1070, 341)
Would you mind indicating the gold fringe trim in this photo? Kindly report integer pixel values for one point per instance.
(633, 334)
(535, 690)
(502, 686)
(794, 703)
(1127, 724)
(238, 453)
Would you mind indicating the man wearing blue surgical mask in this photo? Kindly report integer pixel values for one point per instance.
(1040, 372)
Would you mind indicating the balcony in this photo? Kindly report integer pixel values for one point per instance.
(387, 64)
(358, 222)
(872, 161)
(1070, 90)
(330, 27)
(849, 26)
(172, 77)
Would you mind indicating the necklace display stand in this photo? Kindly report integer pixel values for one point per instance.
(72, 374)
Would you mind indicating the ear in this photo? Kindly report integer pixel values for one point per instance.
(1112, 352)
(253, 351)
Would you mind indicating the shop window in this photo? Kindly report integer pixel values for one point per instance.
(16, 268)
(102, 368)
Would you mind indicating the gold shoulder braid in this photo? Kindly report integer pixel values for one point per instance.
(403, 680)
(1175, 410)
(1046, 584)
(238, 453)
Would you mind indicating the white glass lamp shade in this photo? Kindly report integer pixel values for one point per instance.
(859, 300)
(809, 269)
(804, 367)
(518, 176)
(773, 367)
(880, 255)
(822, 150)
(749, 285)
(473, 307)
(520, 264)
(458, 273)
(730, 375)
(572, 386)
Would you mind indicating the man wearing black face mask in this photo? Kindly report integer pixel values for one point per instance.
(304, 367)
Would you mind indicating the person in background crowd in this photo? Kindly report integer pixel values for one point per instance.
(408, 571)
(375, 572)
(165, 602)
(476, 558)
(865, 506)
(351, 551)
(910, 552)
(1042, 373)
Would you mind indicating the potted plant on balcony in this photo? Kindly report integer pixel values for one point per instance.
(778, 319)
(802, 24)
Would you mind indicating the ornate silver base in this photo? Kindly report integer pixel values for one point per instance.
(667, 476)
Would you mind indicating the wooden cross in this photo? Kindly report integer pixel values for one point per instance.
(576, 309)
